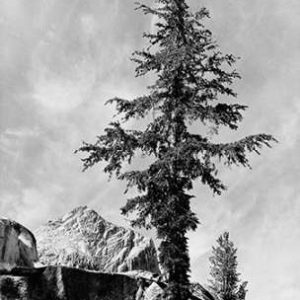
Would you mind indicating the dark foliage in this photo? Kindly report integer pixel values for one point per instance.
(192, 75)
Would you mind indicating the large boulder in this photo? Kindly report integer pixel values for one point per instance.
(82, 238)
(17, 245)
(152, 286)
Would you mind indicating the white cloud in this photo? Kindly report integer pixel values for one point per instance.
(22, 132)
(64, 54)
(289, 130)
(58, 93)
(12, 138)
(89, 25)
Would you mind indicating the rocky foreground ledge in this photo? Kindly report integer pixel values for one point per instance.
(64, 283)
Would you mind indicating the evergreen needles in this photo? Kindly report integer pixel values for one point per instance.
(225, 282)
(192, 76)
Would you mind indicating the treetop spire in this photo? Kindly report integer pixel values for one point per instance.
(192, 78)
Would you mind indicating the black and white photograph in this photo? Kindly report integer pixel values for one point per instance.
(149, 150)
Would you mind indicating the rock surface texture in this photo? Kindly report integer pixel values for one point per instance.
(80, 239)
(17, 245)
(154, 286)
(83, 239)
(62, 283)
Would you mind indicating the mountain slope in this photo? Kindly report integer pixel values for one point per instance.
(82, 238)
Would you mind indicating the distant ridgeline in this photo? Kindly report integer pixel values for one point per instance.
(79, 256)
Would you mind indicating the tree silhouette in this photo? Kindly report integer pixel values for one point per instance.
(191, 75)
(225, 282)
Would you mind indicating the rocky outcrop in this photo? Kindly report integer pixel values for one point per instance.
(152, 287)
(80, 239)
(83, 239)
(62, 283)
(200, 292)
(17, 245)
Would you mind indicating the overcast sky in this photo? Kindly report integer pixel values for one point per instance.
(60, 60)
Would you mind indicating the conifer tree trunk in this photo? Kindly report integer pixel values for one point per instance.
(192, 74)
(174, 251)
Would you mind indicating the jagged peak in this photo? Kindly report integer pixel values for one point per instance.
(83, 236)
(80, 208)
(82, 211)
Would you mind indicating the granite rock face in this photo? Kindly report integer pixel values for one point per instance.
(154, 287)
(17, 245)
(62, 283)
(83, 239)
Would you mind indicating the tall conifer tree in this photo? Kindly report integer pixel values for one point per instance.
(225, 282)
(192, 76)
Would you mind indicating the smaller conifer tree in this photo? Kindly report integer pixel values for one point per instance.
(225, 282)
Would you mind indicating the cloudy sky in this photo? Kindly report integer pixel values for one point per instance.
(60, 60)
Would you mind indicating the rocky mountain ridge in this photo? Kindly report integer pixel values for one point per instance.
(82, 238)
(70, 247)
